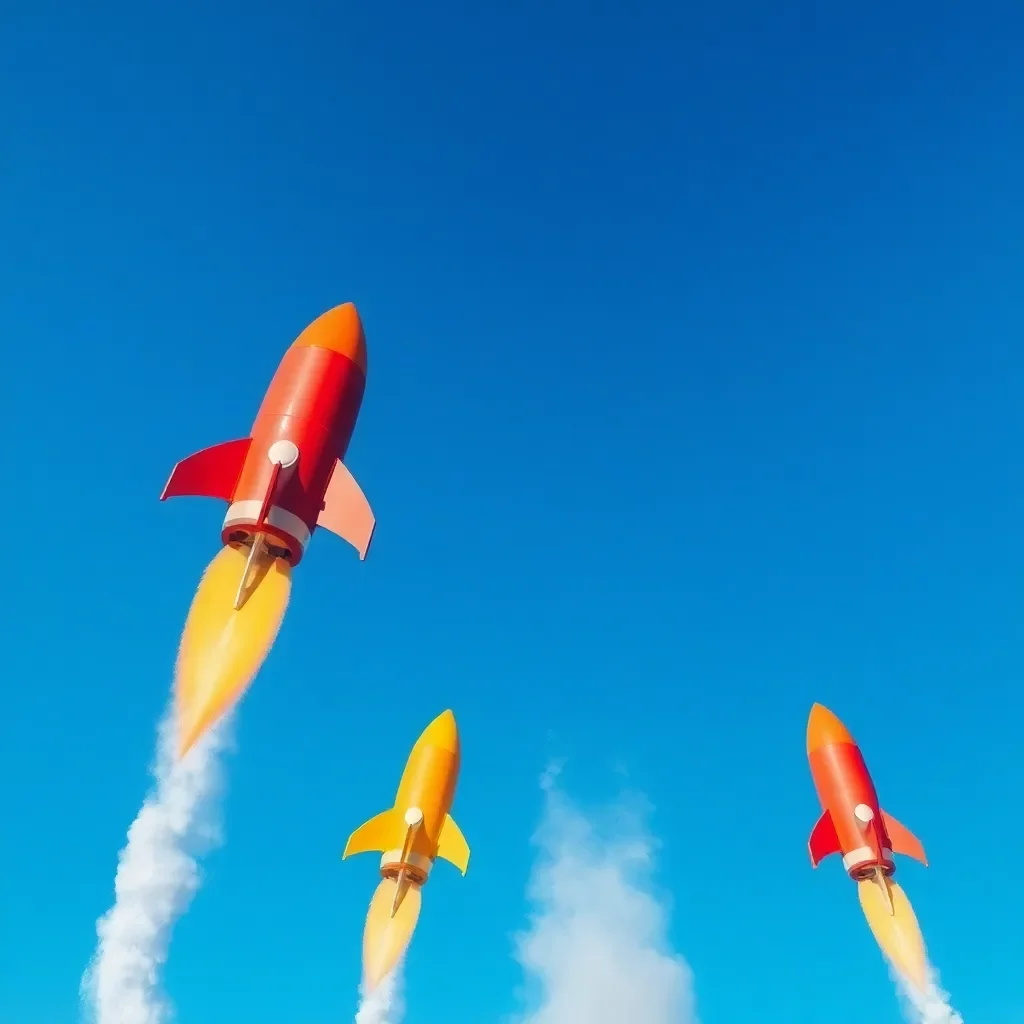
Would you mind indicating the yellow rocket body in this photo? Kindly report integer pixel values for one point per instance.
(427, 785)
(410, 836)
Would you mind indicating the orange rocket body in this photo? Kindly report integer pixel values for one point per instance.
(287, 477)
(419, 828)
(852, 823)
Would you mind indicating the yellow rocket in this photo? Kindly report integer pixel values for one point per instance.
(410, 836)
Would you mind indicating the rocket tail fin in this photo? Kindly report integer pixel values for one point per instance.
(268, 497)
(402, 884)
(883, 885)
(346, 511)
(903, 840)
(210, 473)
(824, 841)
(452, 845)
(380, 833)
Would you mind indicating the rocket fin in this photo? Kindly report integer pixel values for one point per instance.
(452, 845)
(210, 473)
(346, 511)
(903, 840)
(376, 835)
(824, 840)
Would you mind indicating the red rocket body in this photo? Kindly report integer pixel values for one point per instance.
(287, 477)
(852, 822)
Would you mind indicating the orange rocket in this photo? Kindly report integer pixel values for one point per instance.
(410, 836)
(852, 822)
(854, 825)
(281, 482)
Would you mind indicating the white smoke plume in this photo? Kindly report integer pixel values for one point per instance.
(384, 1005)
(157, 876)
(597, 950)
(929, 1007)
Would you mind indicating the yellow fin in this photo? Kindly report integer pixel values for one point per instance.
(452, 845)
(376, 835)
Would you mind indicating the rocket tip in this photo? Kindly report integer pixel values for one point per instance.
(339, 330)
(824, 728)
(443, 732)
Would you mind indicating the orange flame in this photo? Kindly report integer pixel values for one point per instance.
(386, 938)
(222, 649)
(897, 933)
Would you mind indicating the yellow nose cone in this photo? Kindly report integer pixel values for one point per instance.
(338, 330)
(823, 728)
(442, 733)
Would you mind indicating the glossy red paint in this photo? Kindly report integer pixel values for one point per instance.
(286, 478)
(852, 823)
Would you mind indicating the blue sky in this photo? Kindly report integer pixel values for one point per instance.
(695, 361)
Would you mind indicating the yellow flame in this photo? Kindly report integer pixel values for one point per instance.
(897, 934)
(222, 649)
(386, 938)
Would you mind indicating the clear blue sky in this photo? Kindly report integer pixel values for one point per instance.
(696, 354)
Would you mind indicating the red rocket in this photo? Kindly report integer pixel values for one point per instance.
(281, 482)
(287, 477)
(852, 823)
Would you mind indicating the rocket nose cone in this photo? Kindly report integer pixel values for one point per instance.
(443, 733)
(824, 728)
(338, 330)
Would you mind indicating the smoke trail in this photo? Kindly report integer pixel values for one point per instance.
(384, 1005)
(157, 876)
(597, 950)
(928, 1007)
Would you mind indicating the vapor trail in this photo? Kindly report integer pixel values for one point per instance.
(384, 1005)
(597, 951)
(157, 876)
(929, 1007)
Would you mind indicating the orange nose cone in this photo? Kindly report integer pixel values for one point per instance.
(338, 330)
(442, 733)
(824, 728)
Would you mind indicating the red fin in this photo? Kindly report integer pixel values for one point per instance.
(211, 473)
(903, 840)
(824, 840)
(346, 511)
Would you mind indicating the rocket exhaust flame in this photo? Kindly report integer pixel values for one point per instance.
(895, 930)
(223, 647)
(388, 932)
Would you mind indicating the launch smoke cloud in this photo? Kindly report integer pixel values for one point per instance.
(929, 1007)
(384, 1005)
(597, 951)
(157, 876)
